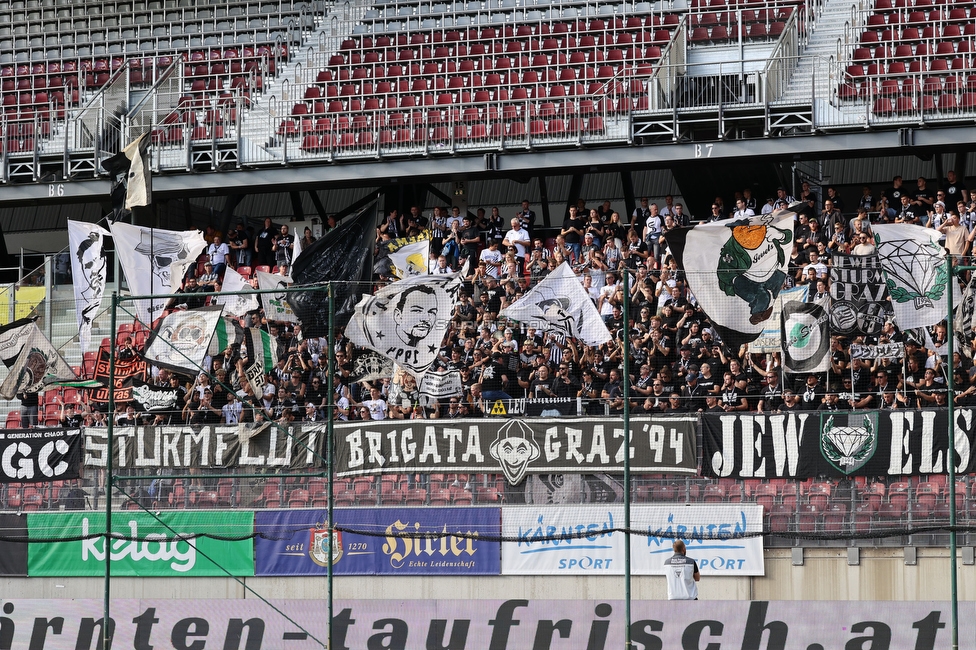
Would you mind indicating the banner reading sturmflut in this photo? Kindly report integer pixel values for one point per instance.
(516, 447)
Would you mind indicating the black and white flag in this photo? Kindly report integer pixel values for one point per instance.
(406, 321)
(806, 341)
(88, 274)
(276, 305)
(368, 366)
(138, 190)
(182, 340)
(37, 365)
(560, 304)
(240, 303)
(13, 337)
(262, 356)
(147, 256)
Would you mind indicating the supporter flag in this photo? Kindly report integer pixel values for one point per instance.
(406, 321)
(243, 302)
(805, 336)
(228, 334)
(13, 337)
(136, 163)
(560, 304)
(342, 256)
(410, 254)
(916, 271)
(88, 273)
(859, 296)
(182, 340)
(962, 324)
(261, 358)
(736, 269)
(276, 305)
(147, 256)
(37, 365)
(368, 366)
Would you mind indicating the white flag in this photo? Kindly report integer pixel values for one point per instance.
(411, 259)
(805, 334)
(147, 256)
(37, 365)
(242, 303)
(138, 189)
(276, 305)
(182, 340)
(560, 304)
(916, 270)
(88, 274)
(406, 321)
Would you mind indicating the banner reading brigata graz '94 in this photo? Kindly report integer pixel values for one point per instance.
(516, 447)
(587, 540)
(814, 443)
(37, 455)
(296, 542)
(153, 544)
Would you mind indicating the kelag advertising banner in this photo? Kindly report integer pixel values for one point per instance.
(815, 443)
(161, 553)
(488, 624)
(583, 540)
(516, 447)
(296, 542)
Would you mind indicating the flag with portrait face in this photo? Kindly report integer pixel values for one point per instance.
(406, 321)
(88, 274)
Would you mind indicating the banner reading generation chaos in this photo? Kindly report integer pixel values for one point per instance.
(39, 455)
(296, 542)
(514, 446)
(806, 444)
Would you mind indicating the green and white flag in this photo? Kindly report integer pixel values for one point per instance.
(262, 356)
(276, 307)
(228, 334)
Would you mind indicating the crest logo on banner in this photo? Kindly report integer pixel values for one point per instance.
(514, 448)
(849, 448)
(320, 548)
(806, 341)
(88, 262)
(736, 268)
(916, 270)
(369, 366)
(859, 295)
(406, 321)
(559, 303)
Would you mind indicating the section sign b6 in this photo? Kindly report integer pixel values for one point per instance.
(171, 544)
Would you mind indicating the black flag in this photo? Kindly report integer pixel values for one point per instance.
(343, 255)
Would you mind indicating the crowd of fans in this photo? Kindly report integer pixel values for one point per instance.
(677, 361)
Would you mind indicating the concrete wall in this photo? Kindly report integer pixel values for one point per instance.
(825, 575)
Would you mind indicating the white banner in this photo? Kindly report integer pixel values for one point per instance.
(183, 339)
(242, 303)
(560, 304)
(411, 259)
(275, 306)
(88, 274)
(714, 535)
(147, 255)
(438, 385)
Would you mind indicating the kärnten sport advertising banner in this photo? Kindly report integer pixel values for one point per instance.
(160, 551)
(296, 542)
(808, 444)
(464, 624)
(582, 540)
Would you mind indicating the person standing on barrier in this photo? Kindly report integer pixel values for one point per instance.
(682, 574)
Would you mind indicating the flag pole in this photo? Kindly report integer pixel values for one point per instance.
(109, 469)
(625, 277)
(951, 460)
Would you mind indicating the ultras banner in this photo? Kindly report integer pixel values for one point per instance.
(154, 546)
(813, 443)
(556, 540)
(208, 446)
(296, 542)
(516, 447)
(467, 624)
(38, 455)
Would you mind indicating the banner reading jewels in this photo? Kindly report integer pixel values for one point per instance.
(39, 455)
(208, 446)
(582, 540)
(296, 542)
(814, 443)
(516, 447)
(515, 624)
(160, 551)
